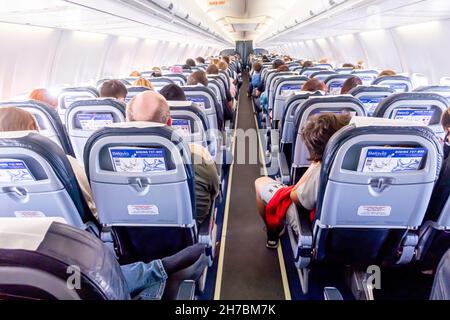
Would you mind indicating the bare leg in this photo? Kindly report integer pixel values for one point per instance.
(260, 205)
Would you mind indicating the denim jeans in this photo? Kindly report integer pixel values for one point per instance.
(146, 281)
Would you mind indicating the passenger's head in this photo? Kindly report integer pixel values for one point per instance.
(212, 69)
(142, 82)
(388, 72)
(135, 74)
(157, 72)
(223, 66)
(314, 85)
(200, 60)
(283, 68)
(198, 77)
(308, 64)
(176, 69)
(265, 58)
(359, 64)
(323, 60)
(226, 59)
(216, 61)
(113, 89)
(43, 95)
(15, 119)
(190, 63)
(173, 92)
(257, 66)
(445, 121)
(277, 63)
(318, 131)
(149, 106)
(348, 65)
(351, 83)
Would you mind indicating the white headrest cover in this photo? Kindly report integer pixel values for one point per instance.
(24, 233)
(383, 122)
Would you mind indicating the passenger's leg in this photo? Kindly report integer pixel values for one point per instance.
(183, 259)
(260, 184)
(193, 272)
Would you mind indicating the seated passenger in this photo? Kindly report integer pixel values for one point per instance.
(446, 125)
(283, 68)
(198, 78)
(314, 85)
(135, 74)
(265, 59)
(228, 113)
(157, 72)
(152, 107)
(43, 95)
(15, 119)
(190, 63)
(360, 65)
(161, 279)
(173, 92)
(276, 202)
(261, 90)
(308, 64)
(348, 65)
(385, 73)
(113, 89)
(351, 83)
(142, 82)
(200, 60)
(256, 78)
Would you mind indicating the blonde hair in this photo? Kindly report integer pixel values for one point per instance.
(135, 74)
(223, 65)
(15, 119)
(142, 82)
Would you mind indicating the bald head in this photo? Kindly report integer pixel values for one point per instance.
(148, 106)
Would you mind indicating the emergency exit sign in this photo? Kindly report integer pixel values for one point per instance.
(217, 3)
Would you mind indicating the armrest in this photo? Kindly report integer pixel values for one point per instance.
(284, 169)
(186, 291)
(303, 256)
(332, 294)
(275, 140)
(204, 230)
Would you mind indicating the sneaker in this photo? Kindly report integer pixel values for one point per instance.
(273, 238)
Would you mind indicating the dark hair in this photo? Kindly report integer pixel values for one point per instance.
(445, 121)
(277, 63)
(226, 59)
(308, 64)
(190, 62)
(348, 65)
(198, 77)
(200, 60)
(314, 85)
(351, 83)
(186, 67)
(283, 68)
(265, 58)
(257, 66)
(173, 92)
(212, 69)
(318, 131)
(113, 89)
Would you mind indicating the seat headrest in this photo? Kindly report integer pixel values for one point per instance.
(135, 124)
(16, 134)
(360, 122)
(24, 233)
